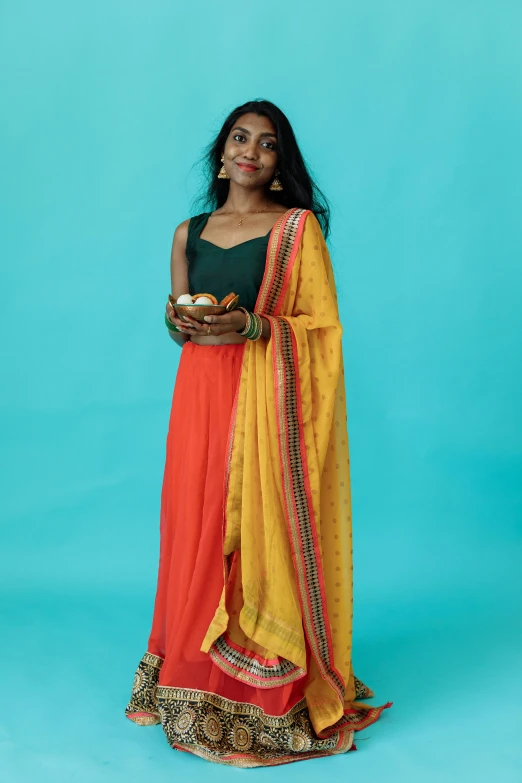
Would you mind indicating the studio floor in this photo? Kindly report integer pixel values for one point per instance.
(451, 667)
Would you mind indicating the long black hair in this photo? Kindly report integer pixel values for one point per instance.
(299, 188)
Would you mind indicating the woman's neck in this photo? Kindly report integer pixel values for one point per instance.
(240, 201)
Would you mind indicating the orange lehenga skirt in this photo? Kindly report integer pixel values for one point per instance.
(215, 716)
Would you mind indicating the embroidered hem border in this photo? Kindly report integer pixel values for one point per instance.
(241, 734)
(237, 733)
(249, 762)
(249, 668)
(143, 706)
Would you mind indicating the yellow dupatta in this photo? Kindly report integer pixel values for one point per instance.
(287, 520)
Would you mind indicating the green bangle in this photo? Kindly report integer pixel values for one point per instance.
(253, 325)
(252, 332)
(257, 327)
(170, 326)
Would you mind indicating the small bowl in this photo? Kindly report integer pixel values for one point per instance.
(198, 312)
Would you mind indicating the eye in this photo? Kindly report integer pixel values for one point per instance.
(239, 137)
(269, 145)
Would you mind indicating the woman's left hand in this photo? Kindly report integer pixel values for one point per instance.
(234, 321)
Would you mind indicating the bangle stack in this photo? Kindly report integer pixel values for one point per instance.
(170, 326)
(253, 327)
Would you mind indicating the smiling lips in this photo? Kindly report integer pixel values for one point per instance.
(248, 168)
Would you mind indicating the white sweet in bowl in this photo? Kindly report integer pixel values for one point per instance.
(184, 299)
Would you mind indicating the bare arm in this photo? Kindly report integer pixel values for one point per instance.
(178, 277)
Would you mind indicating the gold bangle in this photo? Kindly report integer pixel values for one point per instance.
(247, 322)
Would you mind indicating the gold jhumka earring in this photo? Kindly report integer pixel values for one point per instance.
(276, 184)
(222, 172)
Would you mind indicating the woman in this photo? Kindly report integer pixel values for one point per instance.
(249, 657)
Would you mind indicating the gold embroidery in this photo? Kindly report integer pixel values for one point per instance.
(249, 761)
(153, 660)
(279, 254)
(212, 727)
(241, 734)
(185, 720)
(270, 266)
(143, 698)
(361, 690)
(299, 742)
(144, 720)
(247, 669)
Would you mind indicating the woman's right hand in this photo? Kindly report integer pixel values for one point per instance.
(173, 318)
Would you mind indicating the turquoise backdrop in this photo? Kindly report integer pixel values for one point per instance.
(410, 114)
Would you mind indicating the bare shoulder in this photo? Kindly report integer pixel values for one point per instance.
(178, 260)
(179, 240)
(181, 232)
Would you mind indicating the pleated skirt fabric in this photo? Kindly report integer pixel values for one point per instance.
(202, 709)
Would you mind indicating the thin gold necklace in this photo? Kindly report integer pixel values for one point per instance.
(242, 220)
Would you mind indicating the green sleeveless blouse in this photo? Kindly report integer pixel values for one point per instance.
(218, 271)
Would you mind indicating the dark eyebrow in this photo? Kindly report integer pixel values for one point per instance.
(248, 133)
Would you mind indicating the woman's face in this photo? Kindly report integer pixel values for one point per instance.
(251, 151)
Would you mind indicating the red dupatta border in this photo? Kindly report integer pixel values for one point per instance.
(298, 504)
(300, 519)
(280, 257)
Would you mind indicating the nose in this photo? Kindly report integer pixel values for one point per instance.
(250, 150)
